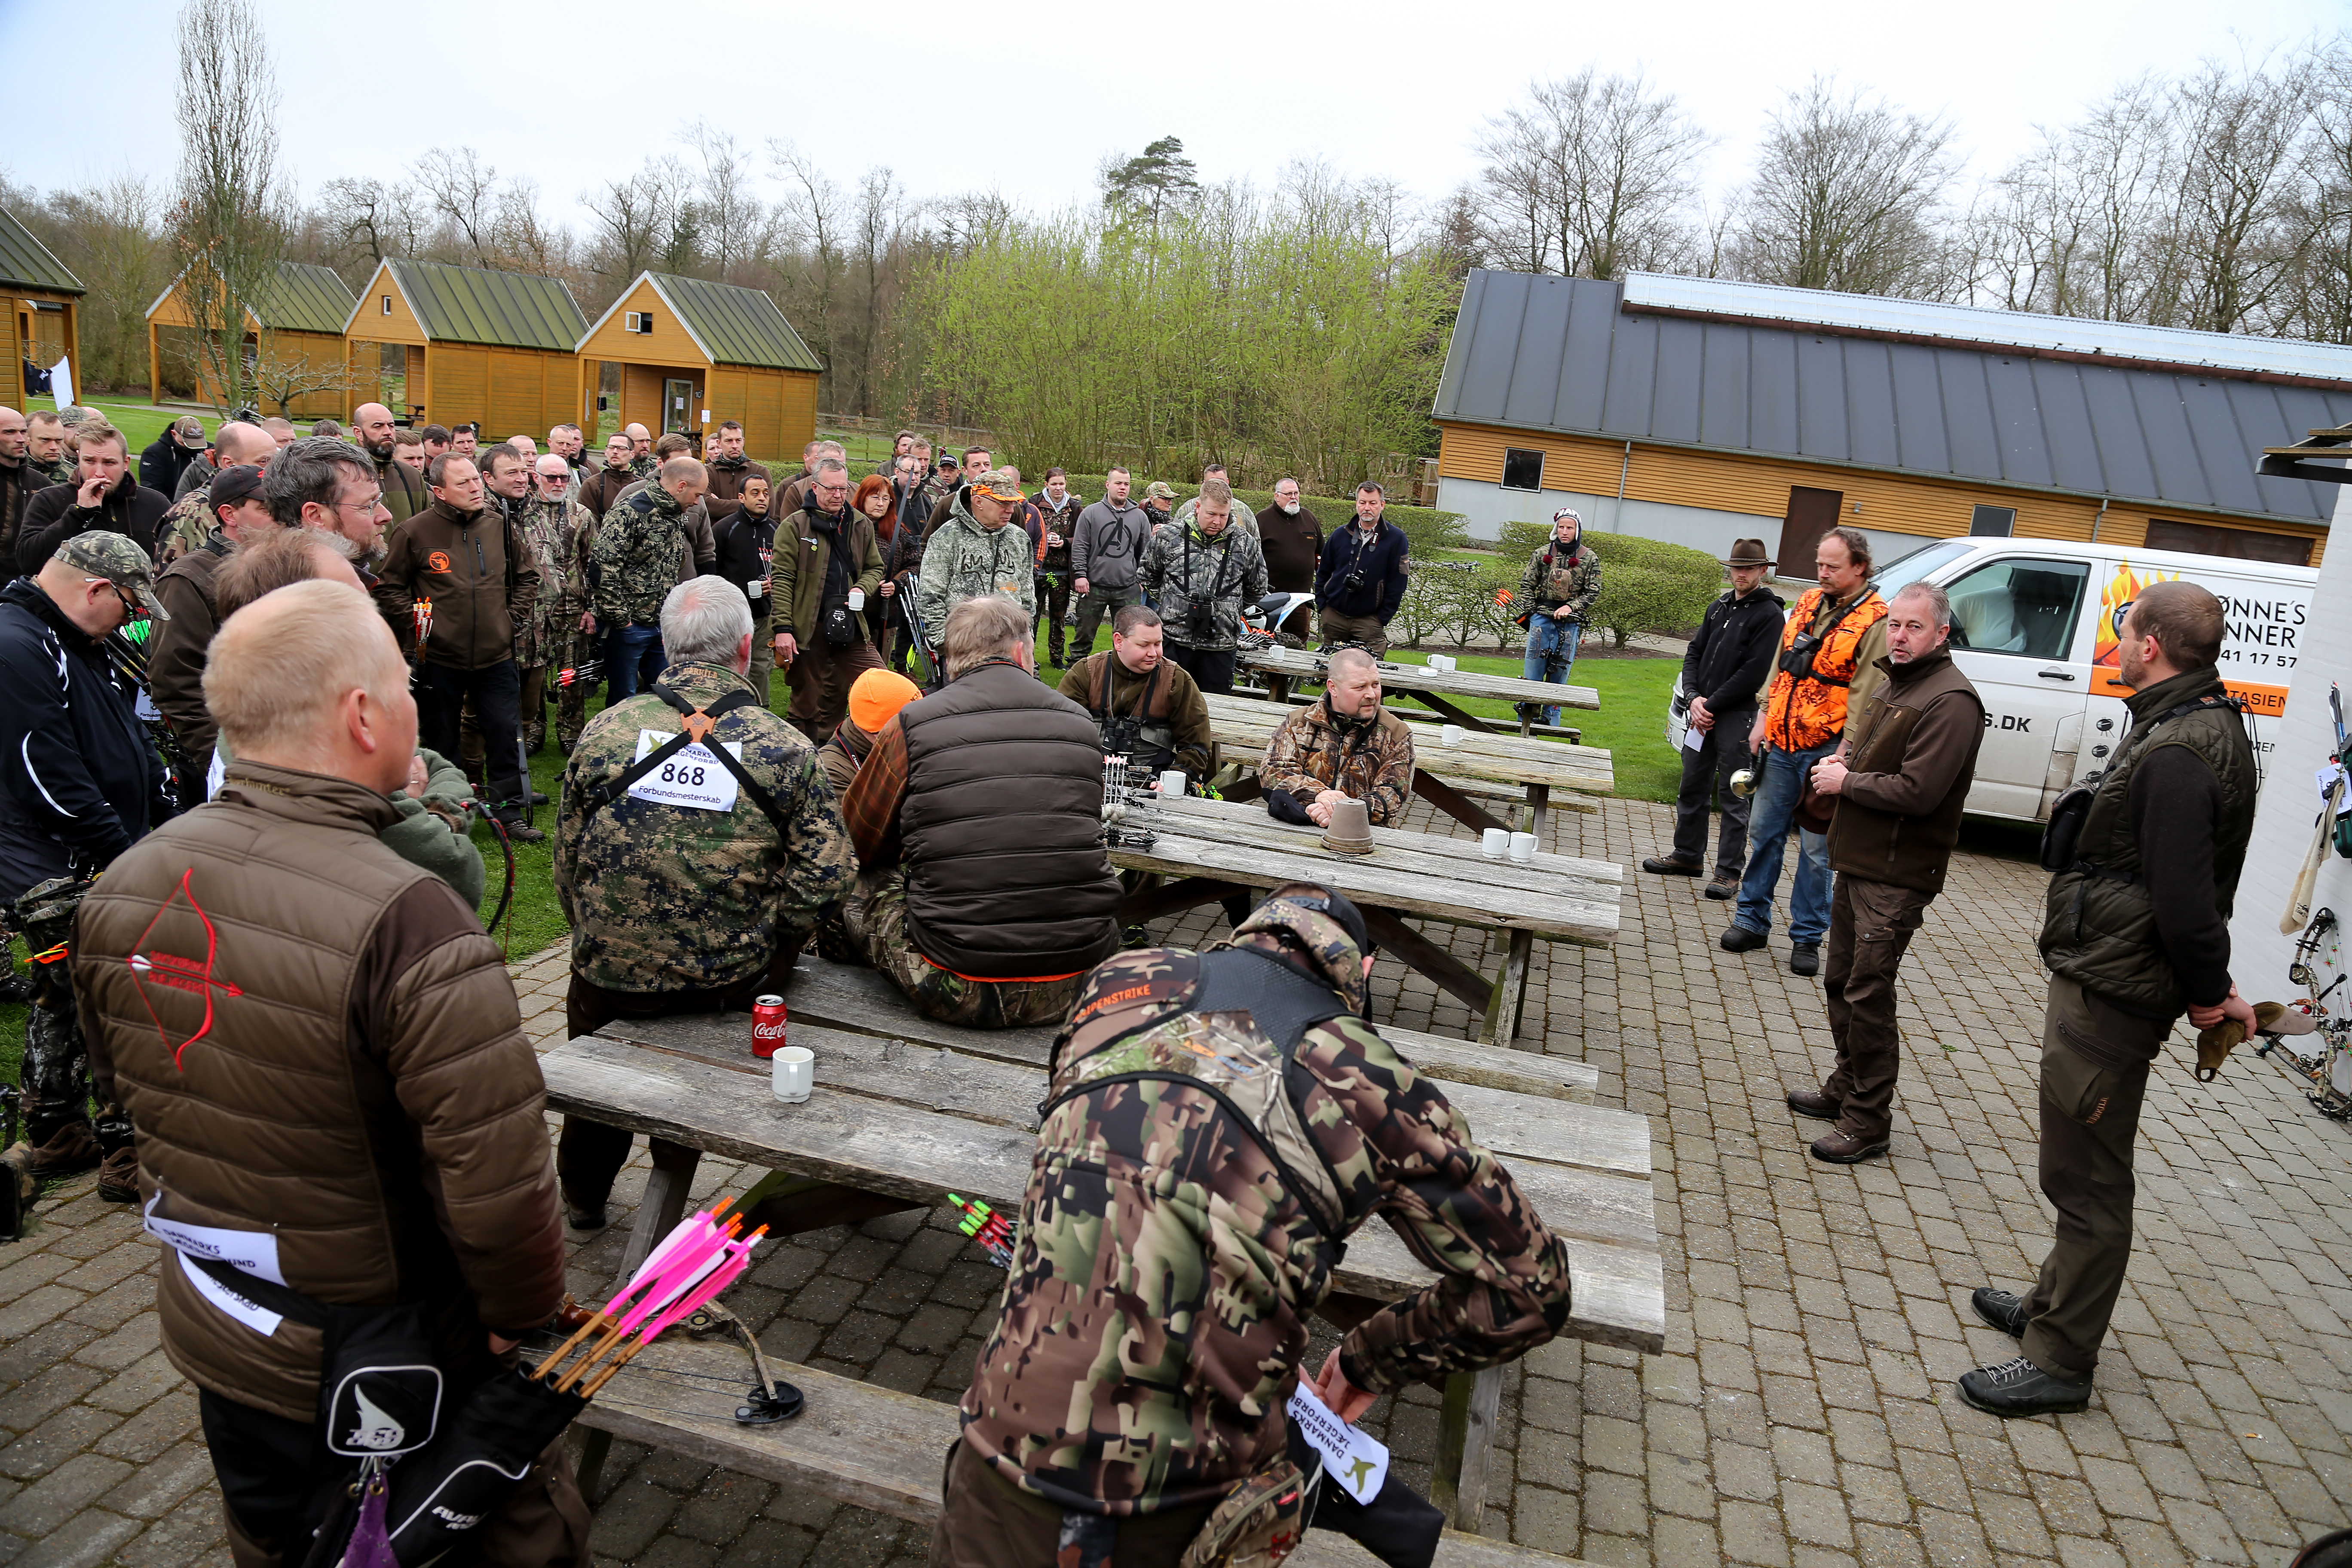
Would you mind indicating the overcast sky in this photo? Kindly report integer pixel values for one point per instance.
(1028, 96)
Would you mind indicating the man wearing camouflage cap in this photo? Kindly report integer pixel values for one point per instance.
(977, 552)
(84, 784)
(1155, 1173)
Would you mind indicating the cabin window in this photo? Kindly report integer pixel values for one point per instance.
(639, 322)
(1522, 470)
(1992, 523)
(2230, 543)
(387, 304)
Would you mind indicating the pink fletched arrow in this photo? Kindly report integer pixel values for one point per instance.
(698, 1250)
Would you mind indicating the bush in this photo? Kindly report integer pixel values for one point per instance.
(1646, 585)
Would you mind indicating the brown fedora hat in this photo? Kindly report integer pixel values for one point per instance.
(1748, 552)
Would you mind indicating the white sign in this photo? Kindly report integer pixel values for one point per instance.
(689, 777)
(1358, 1461)
(245, 1310)
(253, 1252)
(61, 384)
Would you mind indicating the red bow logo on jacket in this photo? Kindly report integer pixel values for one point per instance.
(170, 969)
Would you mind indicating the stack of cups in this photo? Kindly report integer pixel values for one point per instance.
(1498, 843)
(1523, 848)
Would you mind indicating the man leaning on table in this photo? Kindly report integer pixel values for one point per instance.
(1156, 1172)
(1344, 746)
(687, 899)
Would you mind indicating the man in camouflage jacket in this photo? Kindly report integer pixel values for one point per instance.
(1154, 1320)
(632, 566)
(677, 909)
(979, 550)
(1345, 745)
(553, 526)
(1557, 589)
(1207, 564)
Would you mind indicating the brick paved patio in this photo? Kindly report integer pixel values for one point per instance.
(1802, 1413)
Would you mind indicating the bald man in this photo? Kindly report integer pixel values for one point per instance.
(642, 461)
(190, 520)
(404, 493)
(432, 1184)
(17, 479)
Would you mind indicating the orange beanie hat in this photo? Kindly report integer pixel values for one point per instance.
(876, 697)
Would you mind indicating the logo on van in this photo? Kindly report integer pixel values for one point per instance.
(2114, 604)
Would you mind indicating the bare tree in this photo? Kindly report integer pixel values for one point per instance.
(282, 379)
(812, 216)
(735, 227)
(464, 192)
(2243, 132)
(2321, 307)
(228, 216)
(633, 222)
(1846, 195)
(112, 238)
(1593, 175)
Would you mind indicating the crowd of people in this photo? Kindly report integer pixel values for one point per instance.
(345, 647)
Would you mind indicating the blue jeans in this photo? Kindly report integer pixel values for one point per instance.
(1546, 633)
(633, 661)
(1771, 813)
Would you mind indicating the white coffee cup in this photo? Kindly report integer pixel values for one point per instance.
(1498, 843)
(857, 598)
(1171, 784)
(796, 1070)
(1523, 848)
(1449, 735)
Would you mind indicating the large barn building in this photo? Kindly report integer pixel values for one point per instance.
(1701, 411)
(689, 353)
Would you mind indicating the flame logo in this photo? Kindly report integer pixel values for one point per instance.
(2114, 602)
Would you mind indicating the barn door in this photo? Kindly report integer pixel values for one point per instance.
(1811, 513)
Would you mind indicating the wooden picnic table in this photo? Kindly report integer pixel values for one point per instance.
(1247, 724)
(1212, 848)
(1282, 665)
(894, 1123)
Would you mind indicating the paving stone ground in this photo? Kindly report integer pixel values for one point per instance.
(1802, 1415)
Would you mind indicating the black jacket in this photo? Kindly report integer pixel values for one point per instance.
(1383, 560)
(54, 515)
(163, 461)
(742, 538)
(1727, 661)
(82, 782)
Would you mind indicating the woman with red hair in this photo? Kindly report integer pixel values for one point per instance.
(877, 500)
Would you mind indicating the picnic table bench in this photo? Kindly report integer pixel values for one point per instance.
(1212, 848)
(1279, 667)
(896, 1121)
(1245, 724)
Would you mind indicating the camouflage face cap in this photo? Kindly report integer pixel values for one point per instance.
(103, 552)
(1322, 939)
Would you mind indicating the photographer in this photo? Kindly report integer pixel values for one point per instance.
(1362, 579)
(1830, 651)
(1201, 573)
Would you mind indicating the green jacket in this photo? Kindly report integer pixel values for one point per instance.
(1182, 567)
(634, 558)
(963, 561)
(2098, 925)
(803, 556)
(673, 897)
(1553, 579)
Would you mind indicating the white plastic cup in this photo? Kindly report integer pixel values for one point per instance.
(796, 1070)
(857, 598)
(1438, 661)
(1498, 843)
(1171, 784)
(1522, 849)
(1449, 735)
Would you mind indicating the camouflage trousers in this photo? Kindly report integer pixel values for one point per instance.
(572, 700)
(55, 1076)
(874, 915)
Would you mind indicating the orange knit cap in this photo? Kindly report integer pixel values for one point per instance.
(876, 697)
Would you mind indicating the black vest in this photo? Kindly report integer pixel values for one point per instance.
(1006, 878)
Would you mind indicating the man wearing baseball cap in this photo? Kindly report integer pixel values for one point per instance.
(84, 784)
(175, 653)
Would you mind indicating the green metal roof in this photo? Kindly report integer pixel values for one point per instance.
(307, 299)
(736, 326)
(503, 310)
(26, 263)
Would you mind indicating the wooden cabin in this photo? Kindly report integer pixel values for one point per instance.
(449, 345)
(293, 337)
(691, 353)
(44, 314)
(1702, 411)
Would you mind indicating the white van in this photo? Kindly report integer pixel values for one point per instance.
(2034, 627)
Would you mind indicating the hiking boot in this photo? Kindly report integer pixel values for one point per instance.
(1738, 938)
(583, 1217)
(2021, 1388)
(1846, 1149)
(1805, 959)
(118, 1176)
(1812, 1103)
(521, 832)
(1671, 865)
(2004, 1310)
(70, 1147)
(1724, 886)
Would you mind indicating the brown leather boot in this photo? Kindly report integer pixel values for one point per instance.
(118, 1176)
(71, 1147)
(1812, 1103)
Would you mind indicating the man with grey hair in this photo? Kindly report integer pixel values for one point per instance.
(1900, 778)
(552, 526)
(686, 897)
(828, 566)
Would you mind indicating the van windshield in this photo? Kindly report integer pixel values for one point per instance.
(1904, 571)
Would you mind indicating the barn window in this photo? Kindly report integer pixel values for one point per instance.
(1992, 521)
(1522, 470)
(2230, 543)
(387, 304)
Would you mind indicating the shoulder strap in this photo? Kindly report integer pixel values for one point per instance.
(696, 726)
(2194, 705)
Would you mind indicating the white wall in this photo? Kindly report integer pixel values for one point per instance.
(2289, 806)
(1486, 507)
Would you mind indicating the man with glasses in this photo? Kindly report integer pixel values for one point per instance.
(465, 560)
(827, 565)
(557, 529)
(641, 451)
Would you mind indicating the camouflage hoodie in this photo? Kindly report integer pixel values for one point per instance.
(1155, 1315)
(1182, 567)
(963, 561)
(634, 559)
(1555, 577)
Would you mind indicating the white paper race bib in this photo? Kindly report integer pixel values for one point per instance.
(254, 1252)
(1358, 1461)
(246, 1311)
(689, 777)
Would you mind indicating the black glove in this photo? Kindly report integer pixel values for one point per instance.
(1285, 807)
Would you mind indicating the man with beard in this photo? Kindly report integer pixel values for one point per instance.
(1292, 540)
(728, 470)
(404, 487)
(642, 461)
(601, 488)
(827, 564)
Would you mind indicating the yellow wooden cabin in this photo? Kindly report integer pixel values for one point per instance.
(44, 311)
(451, 345)
(691, 353)
(293, 342)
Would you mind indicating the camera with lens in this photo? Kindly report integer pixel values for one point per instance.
(1201, 621)
(1354, 581)
(1797, 659)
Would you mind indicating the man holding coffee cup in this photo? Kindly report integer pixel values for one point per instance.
(827, 564)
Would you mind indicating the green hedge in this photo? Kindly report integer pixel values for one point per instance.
(1646, 585)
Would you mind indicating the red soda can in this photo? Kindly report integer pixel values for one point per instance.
(767, 1025)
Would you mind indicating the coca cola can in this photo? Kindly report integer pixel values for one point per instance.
(767, 1025)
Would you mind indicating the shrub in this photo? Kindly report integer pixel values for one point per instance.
(1646, 585)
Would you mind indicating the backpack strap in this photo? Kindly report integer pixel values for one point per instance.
(693, 729)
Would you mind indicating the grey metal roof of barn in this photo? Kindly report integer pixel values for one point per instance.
(1568, 354)
(26, 263)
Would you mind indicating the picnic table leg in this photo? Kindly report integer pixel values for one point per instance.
(1510, 990)
(594, 1444)
(664, 1204)
(1466, 1447)
(1538, 808)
